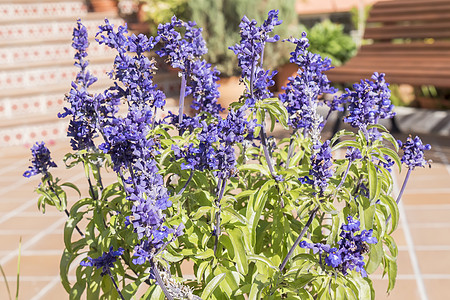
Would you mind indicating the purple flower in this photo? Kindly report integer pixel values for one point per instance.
(84, 107)
(320, 171)
(302, 92)
(180, 51)
(352, 246)
(105, 262)
(41, 160)
(204, 88)
(413, 152)
(250, 50)
(369, 102)
(353, 154)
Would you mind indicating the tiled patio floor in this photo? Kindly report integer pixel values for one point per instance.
(423, 236)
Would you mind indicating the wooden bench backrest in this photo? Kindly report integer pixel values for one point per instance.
(409, 19)
(410, 42)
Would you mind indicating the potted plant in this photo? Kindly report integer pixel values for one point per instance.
(255, 217)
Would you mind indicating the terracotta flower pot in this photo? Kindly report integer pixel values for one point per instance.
(230, 91)
(284, 72)
(104, 5)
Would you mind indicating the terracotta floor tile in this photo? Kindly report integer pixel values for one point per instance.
(36, 223)
(429, 215)
(434, 262)
(430, 236)
(438, 289)
(424, 198)
(403, 290)
(11, 242)
(399, 237)
(53, 241)
(44, 265)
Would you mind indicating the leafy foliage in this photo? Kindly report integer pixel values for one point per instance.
(216, 192)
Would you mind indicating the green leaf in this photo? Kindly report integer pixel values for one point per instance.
(263, 259)
(255, 292)
(393, 210)
(373, 181)
(346, 143)
(240, 257)
(392, 274)
(302, 280)
(234, 215)
(130, 289)
(201, 270)
(73, 186)
(212, 285)
(376, 255)
(259, 169)
(391, 139)
(392, 154)
(205, 254)
(364, 288)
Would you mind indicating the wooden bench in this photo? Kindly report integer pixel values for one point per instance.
(409, 40)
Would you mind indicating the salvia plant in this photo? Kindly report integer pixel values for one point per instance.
(247, 215)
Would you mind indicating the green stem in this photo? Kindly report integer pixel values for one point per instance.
(217, 232)
(160, 281)
(297, 241)
(115, 285)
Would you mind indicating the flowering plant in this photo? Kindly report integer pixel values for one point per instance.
(296, 218)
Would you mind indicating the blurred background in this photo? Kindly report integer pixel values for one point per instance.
(36, 69)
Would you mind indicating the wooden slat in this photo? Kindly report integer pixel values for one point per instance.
(417, 63)
(406, 3)
(371, 62)
(414, 31)
(403, 17)
(349, 76)
(409, 9)
(419, 46)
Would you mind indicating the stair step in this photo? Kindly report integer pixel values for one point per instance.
(25, 12)
(54, 54)
(44, 127)
(19, 81)
(57, 31)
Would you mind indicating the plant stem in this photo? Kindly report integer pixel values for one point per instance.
(399, 197)
(267, 155)
(65, 210)
(182, 94)
(160, 281)
(217, 232)
(115, 285)
(312, 214)
(343, 177)
(290, 149)
(187, 182)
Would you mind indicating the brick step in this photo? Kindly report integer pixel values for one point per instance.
(46, 100)
(45, 80)
(14, 12)
(56, 31)
(49, 54)
(16, 82)
(24, 130)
